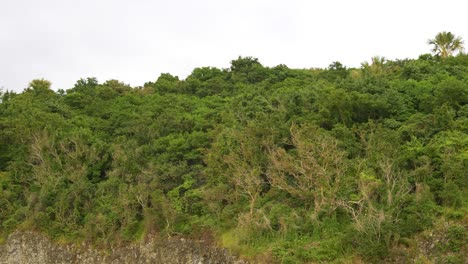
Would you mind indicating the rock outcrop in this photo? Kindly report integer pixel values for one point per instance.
(34, 248)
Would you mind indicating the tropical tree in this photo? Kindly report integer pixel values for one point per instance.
(445, 44)
(375, 67)
(40, 87)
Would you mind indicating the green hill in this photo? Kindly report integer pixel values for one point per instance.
(280, 165)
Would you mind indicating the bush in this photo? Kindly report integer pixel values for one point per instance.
(418, 214)
(456, 238)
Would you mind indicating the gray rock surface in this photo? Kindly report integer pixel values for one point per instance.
(30, 247)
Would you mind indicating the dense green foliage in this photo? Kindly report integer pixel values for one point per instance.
(286, 165)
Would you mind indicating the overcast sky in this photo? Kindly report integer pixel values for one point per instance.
(135, 41)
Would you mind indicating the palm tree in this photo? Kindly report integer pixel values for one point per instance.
(445, 43)
(376, 66)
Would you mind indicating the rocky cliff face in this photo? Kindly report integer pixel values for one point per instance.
(29, 247)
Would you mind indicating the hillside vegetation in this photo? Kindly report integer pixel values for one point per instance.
(278, 164)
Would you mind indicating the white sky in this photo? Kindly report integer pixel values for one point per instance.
(136, 40)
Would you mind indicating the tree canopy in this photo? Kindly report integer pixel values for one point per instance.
(280, 165)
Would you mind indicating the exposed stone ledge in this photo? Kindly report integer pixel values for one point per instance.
(33, 248)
